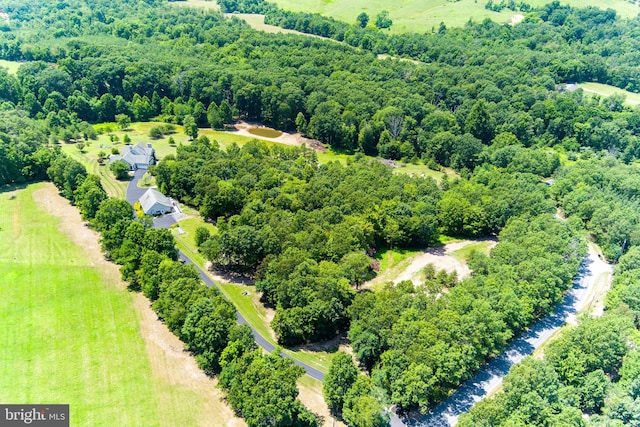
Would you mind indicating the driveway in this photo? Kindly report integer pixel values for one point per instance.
(133, 191)
(133, 195)
(489, 378)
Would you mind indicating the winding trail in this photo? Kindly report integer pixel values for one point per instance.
(594, 275)
(133, 194)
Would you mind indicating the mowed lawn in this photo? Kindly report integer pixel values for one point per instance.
(426, 15)
(70, 337)
(631, 98)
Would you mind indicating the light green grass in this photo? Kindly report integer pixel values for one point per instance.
(608, 90)
(89, 158)
(11, 66)
(419, 170)
(189, 226)
(423, 16)
(69, 338)
(463, 254)
(244, 297)
(393, 258)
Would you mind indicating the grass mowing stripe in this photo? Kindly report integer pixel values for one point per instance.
(68, 336)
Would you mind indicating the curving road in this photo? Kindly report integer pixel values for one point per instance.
(489, 378)
(133, 195)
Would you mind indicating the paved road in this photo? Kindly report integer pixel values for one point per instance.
(489, 378)
(133, 194)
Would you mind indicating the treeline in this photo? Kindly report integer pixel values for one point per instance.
(23, 155)
(602, 194)
(259, 387)
(589, 369)
(193, 66)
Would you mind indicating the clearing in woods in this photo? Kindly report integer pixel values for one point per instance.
(450, 257)
(75, 335)
(424, 16)
(413, 15)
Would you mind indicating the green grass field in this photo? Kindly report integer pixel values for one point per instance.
(68, 337)
(608, 90)
(423, 16)
(464, 253)
(11, 66)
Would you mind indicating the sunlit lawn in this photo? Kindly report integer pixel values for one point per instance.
(70, 335)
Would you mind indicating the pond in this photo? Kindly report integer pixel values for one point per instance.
(265, 132)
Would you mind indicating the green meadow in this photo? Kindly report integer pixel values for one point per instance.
(423, 16)
(69, 334)
(631, 98)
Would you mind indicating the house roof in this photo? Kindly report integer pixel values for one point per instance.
(151, 197)
(138, 154)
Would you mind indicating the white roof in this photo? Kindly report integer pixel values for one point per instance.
(151, 197)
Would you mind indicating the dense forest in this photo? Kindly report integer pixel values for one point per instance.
(592, 367)
(486, 100)
(472, 83)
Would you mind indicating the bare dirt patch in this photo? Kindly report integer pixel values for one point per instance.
(516, 19)
(441, 257)
(293, 139)
(311, 397)
(171, 365)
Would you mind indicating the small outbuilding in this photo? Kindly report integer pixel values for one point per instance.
(154, 202)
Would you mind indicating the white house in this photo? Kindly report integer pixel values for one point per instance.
(139, 156)
(154, 202)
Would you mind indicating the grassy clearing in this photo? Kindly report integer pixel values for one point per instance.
(257, 23)
(464, 253)
(393, 258)
(61, 318)
(189, 226)
(419, 170)
(425, 16)
(311, 396)
(11, 66)
(247, 302)
(608, 90)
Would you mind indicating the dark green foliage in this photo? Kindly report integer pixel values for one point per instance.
(67, 174)
(120, 169)
(361, 409)
(262, 389)
(422, 347)
(570, 379)
(206, 330)
(89, 195)
(110, 212)
(327, 216)
(175, 300)
(362, 20)
(341, 376)
(383, 20)
(202, 235)
(23, 156)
